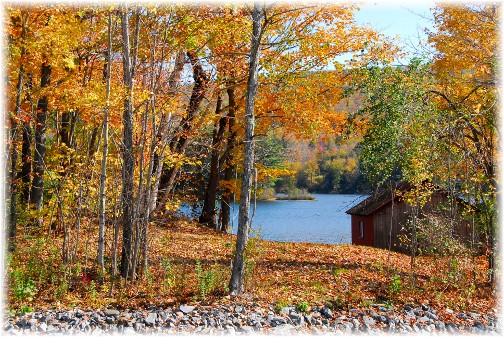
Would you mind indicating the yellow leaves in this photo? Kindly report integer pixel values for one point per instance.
(467, 41)
(69, 63)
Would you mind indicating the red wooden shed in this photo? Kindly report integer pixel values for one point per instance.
(377, 222)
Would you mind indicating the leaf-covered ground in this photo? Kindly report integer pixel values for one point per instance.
(191, 263)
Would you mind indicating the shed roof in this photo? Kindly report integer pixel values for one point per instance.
(376, 201)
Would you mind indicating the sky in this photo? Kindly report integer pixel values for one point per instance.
(407, 20)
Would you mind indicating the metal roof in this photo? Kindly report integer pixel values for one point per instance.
(376, 201)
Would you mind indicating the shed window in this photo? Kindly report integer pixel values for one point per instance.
(361, 229)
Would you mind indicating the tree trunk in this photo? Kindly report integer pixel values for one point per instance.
(182, 140)
(26, 162)
(162, 133)
(209, 209)
(128, 161)
(238, 272)
(65, 128)
(37, 191)
(103, 175)
(13, 151)
(229, 168)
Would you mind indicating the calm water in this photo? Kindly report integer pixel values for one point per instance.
(321, 221)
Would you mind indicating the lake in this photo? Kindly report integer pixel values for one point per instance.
(317, 221)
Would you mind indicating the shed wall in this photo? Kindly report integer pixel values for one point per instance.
(368, 239)
(385, 221)
(383, 218)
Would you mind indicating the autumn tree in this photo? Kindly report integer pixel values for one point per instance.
(129, 54)
(238, 271)
(465, 67)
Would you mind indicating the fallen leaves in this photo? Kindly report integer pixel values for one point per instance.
(281, 271)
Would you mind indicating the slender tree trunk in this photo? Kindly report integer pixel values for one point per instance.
(128, 161)
(182, 140)
(209, 208)
(162, 130)
(142, 191)
(26, 148)
(65, 128)
(13, 151)
(11, 231)
(229, 168)
(148, 191)
(37, 191)
(26, 162)
(238, 272)
(103, 175)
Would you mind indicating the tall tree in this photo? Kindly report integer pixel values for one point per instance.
(37, 191)
(209, 208)
(105, 126)
(129, 55)
(181, 141)
(238, 271)
(465, 67)
(228, 161)
(13, 152)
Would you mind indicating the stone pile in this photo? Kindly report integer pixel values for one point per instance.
(240, 318)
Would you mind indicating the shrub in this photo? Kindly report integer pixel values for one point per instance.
(302, 306)
(395, 286)
(280, 305)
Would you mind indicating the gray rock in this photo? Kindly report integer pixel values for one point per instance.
(473, 315)
(452, 327)
(440, 326)
(42, 327)
(297, 319)
(22, 323)
(112, 312)
(138, 326)
(52, 328)
(247, 329)
(277, 321)
(285, 311)
(383, 318)
(285, 328)
(45, 318)
(423, 319)
(356, 324)
(151, 318)
(347, 327)
(411, 314)
(431, 315)
(368, 320)
(186, 308)
(479, 326)
(326, 312)
(211, 322)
